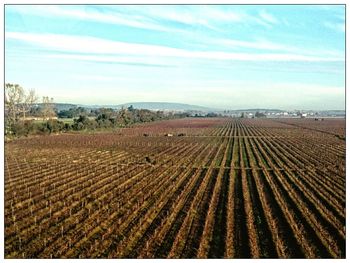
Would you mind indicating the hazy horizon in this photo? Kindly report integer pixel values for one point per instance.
(226, 57)
(198, 105)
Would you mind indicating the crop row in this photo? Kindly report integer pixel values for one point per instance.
(232, 188)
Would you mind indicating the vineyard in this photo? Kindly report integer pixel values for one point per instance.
(187, 188)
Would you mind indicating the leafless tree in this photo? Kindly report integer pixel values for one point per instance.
(14, 96)
(28, 102)
(17, 102)
(48, 108)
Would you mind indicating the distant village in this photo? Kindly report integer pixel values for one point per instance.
(267, 113)
(285, 114)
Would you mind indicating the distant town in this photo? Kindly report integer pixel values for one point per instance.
(261, 113)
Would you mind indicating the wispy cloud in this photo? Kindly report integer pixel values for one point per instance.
(110, 17)
(185, 17)
(210, 17)
(221, 15)
(126, 60)
(228, 16)
(261, 44)
(268, 17)
(339, 27)
(153, 17)
(92, 45)
(219, 55)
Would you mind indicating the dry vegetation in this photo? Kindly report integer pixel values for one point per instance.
(233, 188)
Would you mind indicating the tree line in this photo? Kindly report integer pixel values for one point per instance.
(25, 116)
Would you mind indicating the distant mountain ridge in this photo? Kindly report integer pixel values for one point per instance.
(165, 106)
(137, 105)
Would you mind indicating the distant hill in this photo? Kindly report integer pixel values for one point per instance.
(139, 105)
(165, 106)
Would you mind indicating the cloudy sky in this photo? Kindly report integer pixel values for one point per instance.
(229, 57)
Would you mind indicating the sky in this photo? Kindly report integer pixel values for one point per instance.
(219, 56)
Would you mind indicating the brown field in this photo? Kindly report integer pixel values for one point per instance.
(224, 188)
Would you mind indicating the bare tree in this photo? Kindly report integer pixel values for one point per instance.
(29, 100)
(14, 96)
(48, 109)
(17, 101)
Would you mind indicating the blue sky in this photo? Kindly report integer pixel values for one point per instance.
(229, 57)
